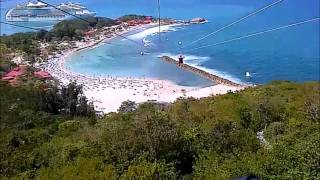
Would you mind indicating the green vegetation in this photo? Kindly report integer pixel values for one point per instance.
(49, 135)
(74, 29)
(5, 63)
(21, 41)
(27, 44)
(68, 29)
(130, 17)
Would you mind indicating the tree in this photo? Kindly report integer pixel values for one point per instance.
(246, 117)
(127, 107)
(70, 95)
(210, 138)
(51, 100)
(85, 108)
(41, 34)
(147, 170)
(312, 108)
(69, 126)
(130, 17)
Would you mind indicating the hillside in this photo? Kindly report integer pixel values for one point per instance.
(76, 27)
(131, 17)
(53, 134)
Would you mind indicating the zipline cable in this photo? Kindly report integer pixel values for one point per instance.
(257, 33)
(235, 22)
(253, 34)
(37, 29)
(66, 12)
(17, 25)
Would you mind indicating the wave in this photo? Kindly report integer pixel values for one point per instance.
(197, 61)
(154, 31)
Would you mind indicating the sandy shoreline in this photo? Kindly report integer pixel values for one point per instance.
(109, 92)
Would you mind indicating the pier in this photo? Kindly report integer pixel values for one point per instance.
(200, 72)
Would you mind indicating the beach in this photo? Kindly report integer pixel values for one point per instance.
(108, 92)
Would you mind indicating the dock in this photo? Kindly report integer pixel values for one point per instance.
(200, 72)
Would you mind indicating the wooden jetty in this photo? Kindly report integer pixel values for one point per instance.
(200, 72)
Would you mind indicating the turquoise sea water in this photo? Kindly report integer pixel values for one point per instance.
(290, 54)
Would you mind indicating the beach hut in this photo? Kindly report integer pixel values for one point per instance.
(90, 33)
(11, 76)
(42, 75)
(148, 20)
(18, 71)
(7, 78)
(132, 23)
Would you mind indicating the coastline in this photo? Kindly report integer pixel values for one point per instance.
(107, 93)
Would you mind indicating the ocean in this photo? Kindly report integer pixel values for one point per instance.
(288, 54)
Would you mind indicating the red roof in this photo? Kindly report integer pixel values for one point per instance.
(147, 21)
(7, 78)
(149, 18)
(16, 69)
(42, 74)
(11, 76)
(13, 73)
(90, 33)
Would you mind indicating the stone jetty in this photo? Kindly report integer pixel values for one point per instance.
(200, 72)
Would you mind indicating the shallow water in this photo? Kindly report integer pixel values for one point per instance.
(122, 60)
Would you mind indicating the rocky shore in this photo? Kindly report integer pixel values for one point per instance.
(201, 73)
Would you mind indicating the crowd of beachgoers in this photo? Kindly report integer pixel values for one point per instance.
(108, 92)
(57, 69)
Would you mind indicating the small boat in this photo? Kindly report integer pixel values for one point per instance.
(248, 75)
(147, 44)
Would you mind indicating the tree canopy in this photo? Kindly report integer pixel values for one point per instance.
(76, 27)
(211, 138)
(130, 17)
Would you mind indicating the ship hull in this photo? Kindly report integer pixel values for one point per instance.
(42, 19)
(41, 13)
(34, 19)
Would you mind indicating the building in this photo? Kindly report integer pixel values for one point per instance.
(42, 75)
(90, 33)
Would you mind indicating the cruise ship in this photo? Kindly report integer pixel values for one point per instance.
(38, 11)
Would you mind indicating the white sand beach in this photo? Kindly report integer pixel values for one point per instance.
(109, 92)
